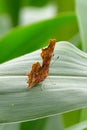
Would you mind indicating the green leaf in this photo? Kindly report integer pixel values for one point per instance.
(55, 123)
(71, 118)
(79, 126)
(65, 6)
(13, 8)
(64, 90)
(81, 7)
(36, 3)
(34, 125)
(15, 126)
(44, 124)
(23, 40)
(2, 7)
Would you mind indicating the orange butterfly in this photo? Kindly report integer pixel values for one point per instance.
(40, 72)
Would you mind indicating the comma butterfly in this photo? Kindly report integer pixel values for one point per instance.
(40, 72)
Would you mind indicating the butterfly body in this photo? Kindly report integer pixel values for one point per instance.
(40, 72)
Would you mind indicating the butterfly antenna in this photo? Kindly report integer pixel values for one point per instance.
(54, 60)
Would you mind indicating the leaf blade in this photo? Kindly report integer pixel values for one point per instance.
(68, 90)
(29, 38)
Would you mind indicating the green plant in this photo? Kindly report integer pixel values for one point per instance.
(60, 101)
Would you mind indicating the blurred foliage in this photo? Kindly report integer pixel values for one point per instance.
(11, 47)
(50, 123)
(35, 3)
(71, 118)
(39, 33)
(12, 7)
(2, 6)
(65, 6)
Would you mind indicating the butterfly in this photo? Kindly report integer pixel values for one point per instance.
(39, 72)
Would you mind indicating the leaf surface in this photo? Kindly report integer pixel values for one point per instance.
(64, 90)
